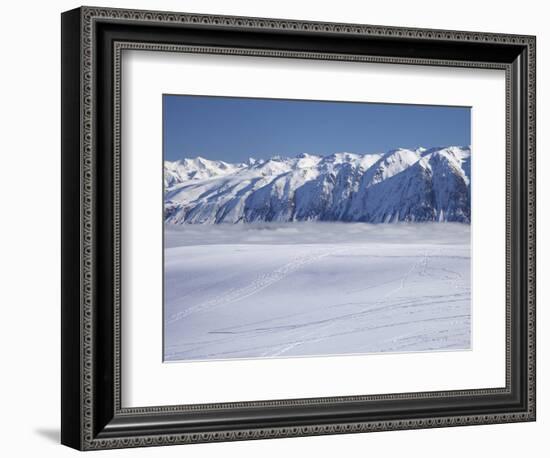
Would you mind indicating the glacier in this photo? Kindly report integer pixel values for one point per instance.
(401, 185)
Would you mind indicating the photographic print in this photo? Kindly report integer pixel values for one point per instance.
(299, 228)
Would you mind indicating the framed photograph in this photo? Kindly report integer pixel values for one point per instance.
(276, 228)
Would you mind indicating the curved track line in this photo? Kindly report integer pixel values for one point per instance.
(260, 283)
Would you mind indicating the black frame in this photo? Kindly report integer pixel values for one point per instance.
(92, 42)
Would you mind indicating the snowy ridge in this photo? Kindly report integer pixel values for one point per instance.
(425, 184)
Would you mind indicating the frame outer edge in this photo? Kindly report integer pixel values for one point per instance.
(71, 306)
(88, 192)
(261, 23)
(532, 224)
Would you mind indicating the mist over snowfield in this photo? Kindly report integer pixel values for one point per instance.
(298, 233)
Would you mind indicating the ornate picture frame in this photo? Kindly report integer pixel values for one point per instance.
(93, 416)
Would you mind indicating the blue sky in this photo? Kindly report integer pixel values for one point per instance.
(233, 128)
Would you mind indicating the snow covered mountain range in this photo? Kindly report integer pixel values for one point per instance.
(401, 185)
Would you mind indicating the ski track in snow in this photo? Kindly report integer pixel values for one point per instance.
(258, 284)
(415, 298)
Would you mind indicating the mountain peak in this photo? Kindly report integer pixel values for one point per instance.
(421, 184)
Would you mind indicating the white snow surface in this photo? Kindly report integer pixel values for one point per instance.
(312, 289)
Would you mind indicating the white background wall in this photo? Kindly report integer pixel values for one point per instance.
(30, 241)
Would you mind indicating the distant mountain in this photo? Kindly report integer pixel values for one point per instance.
(401, 185)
